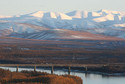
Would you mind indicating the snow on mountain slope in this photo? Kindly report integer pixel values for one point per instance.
(5, 16)
(105, 18)
(56, 15)
(7, 28)
(78, 14)
(105, 22)
(62, 34)
(38, 14)
(105, 12)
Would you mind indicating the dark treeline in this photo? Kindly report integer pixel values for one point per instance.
(23, 53)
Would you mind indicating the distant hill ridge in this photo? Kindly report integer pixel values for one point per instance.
(104, 22)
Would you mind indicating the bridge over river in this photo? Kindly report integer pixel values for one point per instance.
(85, 66)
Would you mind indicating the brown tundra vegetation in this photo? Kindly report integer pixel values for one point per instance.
(30, 77)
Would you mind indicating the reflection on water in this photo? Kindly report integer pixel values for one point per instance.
(87, 78)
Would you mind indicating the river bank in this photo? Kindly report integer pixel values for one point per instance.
(31, 77)
(87, 77)
(104, 70)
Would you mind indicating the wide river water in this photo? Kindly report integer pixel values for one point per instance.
(87, 78)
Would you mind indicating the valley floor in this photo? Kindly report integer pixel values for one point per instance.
(27, 51)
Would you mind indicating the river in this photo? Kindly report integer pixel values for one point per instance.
(88, 78)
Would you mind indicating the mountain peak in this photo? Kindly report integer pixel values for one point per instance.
(38, 14)
(103, 22)
(6, 16)
(110, 12)
(78, 14)
(104, 10)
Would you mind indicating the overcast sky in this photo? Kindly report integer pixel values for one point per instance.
(17, 7)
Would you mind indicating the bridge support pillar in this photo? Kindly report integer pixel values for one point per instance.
(17, 68)
(34, 68)
(86, 69)
(52, 69)
(69, 69)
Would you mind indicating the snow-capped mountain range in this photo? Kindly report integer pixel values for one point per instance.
(40, 24)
